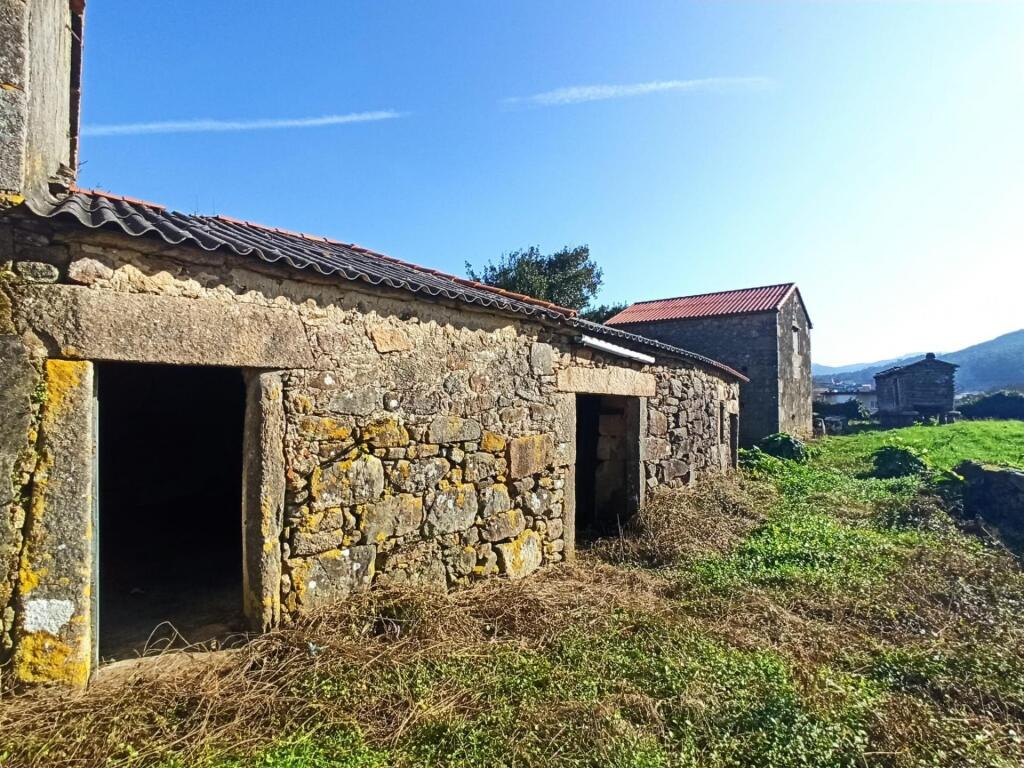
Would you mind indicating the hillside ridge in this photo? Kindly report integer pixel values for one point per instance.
(993, 364)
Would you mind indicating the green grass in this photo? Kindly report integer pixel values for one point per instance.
(849, 624)
(336, 748)
(996, 442)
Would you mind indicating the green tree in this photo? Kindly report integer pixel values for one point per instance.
(601, 312)
(568, 277)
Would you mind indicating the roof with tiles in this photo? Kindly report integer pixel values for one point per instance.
(138, 218)
(767, 298)
(926, 361)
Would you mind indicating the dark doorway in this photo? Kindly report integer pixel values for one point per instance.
(170, 499)
(607, 464)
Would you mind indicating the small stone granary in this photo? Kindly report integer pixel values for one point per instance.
(909, 393)
(763, 332)
(211, 421)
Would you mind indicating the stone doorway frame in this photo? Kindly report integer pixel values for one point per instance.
(637, 387)
(55, 633)
(63, 586)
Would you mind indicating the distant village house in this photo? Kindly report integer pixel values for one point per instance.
(916, 391)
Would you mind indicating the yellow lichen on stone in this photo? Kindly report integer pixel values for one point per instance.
(30, 572)
(63, 378)
(385, 432)
(42, 658)
(522, 555)
(339, 468)
(491, 442)
(299, 581)
(301, 403)
(324, 428)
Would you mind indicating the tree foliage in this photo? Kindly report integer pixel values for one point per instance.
(601, 312)
(567, 277)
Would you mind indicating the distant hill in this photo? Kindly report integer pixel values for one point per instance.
(994, 364)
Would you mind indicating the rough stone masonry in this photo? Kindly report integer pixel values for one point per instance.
(388, 438)
(399, 425)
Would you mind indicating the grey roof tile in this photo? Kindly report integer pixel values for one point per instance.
(139, 218)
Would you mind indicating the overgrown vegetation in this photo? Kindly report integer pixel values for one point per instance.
(782, 445)
(996, 405)
(801, 614)
(850, 409)
(898, 461)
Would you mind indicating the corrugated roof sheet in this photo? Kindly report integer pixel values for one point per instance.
(137, 218)
(747, 300)
(328, 257)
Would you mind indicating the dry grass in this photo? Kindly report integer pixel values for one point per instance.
(934, 651)
(707, 518)
(242, 699)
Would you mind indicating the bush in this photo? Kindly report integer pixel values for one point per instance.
(782, 445)
(851, 409)
(998, 405)
(898, 461)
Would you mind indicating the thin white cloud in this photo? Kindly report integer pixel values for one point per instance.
(207, 126)
(578, 94)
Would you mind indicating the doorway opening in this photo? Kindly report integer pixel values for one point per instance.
(607, 464)
(169, 505)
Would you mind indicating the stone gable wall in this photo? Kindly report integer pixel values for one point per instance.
(796, 388)
(422, 441)
(748, 343)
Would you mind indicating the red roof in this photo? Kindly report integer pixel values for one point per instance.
(766, 298)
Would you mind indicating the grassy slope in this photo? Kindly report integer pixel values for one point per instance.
(998, 442)
(800, 617)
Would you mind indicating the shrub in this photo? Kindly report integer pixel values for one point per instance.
(997, 405)
(851, 409)
(898, 461)
(782, 445)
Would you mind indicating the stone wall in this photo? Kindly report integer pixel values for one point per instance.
(419, 441)
(796, 388)
(996, 495)
(37, 107)
(765, 347)
(748, 343)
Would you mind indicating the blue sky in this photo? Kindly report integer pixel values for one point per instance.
(873, 152)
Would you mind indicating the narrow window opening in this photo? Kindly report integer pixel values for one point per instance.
(170, 490)
(607, 464)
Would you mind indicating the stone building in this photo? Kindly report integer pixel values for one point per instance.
(763, 332)
(909, 393)
(221, 424)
